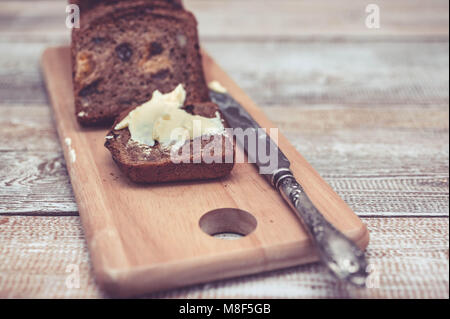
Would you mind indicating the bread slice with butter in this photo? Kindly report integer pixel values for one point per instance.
(166, 140)
(124, 51)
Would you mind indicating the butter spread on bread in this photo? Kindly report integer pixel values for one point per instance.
(154, 164)
(162, 119)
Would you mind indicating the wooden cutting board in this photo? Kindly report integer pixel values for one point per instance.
(148, 238)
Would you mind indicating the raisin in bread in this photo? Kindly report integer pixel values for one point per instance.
(123, 52)
(146, 164)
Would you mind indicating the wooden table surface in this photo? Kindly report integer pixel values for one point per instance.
(367, 107)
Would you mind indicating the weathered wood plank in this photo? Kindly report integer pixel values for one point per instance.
(299, 18)
(35, 183)
(20, 77)
(409, 257)
(363, 74)
(254, 19)
(390, 163)
(28, 128)
(288, 73)
(397, 145)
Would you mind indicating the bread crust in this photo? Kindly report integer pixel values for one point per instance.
(85, 5)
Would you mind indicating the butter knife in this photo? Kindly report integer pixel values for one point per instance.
(341, 255)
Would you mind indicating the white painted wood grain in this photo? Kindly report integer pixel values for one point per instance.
(410, 258)
(359, 74)
(255, 19)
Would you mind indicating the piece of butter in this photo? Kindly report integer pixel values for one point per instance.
(217, 87)
(162, 119)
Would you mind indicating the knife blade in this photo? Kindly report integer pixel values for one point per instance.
(340, 254)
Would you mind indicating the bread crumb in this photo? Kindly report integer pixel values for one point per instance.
(73, 156)
(217, 87)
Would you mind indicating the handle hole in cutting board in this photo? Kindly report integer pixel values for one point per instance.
(228, 223)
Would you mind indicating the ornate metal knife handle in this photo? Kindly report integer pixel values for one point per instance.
(345, 260)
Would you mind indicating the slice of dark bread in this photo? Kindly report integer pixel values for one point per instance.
(85, 5)
(145, 164)
(124, 52)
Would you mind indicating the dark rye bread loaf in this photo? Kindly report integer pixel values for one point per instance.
(145, 164)
(122, 53)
